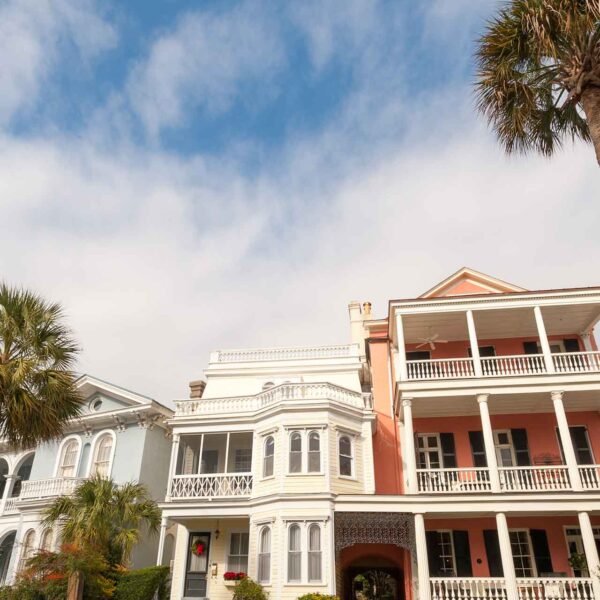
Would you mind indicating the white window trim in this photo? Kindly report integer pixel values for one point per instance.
(93, 451)
(292, 432)
(42, 539)
(60, 453)
(425, 450)
(305, 432)
(309, 432)
(511, 444)
(302, 527)
(451, 532)
(262, 528)
(321, 551)
(596, 531)
(352, 439)
(531, 554)
(264, 477)
(228, 549)
(304, 523)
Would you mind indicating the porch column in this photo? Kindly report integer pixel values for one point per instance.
(474, 344)
(591, 552)
(508, 565)
(402, 368)
(173, 463)
(566, 441)
(408, 449)
(161, 541)
(422, 559)
(586, 338)
(488, 441)
(539, 321)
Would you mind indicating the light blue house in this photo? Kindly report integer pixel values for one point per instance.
(120, 434)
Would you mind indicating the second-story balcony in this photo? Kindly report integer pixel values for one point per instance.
(49, 488)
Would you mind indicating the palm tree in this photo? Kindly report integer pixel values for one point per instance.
(37, 387)
(105, 516)
(539, 74)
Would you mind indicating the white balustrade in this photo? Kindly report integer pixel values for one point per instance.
(440, 368)
(472, 588)
(292, 353)
(279, 393)
(555, 588)
(10, 506)
(518, 364)
(590, 476)
(214, 485)
(538, 478)
(577, 362)
(44, 488)
(458, 481)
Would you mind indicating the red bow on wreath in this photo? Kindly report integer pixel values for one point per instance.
(198, 549)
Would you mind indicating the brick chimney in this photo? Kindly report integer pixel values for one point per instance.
(197, 388)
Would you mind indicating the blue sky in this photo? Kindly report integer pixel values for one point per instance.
(186, 175)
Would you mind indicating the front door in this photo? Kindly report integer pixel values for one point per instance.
(197, 565)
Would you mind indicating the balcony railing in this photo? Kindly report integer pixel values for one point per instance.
(458, 481)
(217, 485)
(293, 353)
(474, 588)
(10, 506)
(502, 366)
(555, 588)
(590, 477)
(534, 479)
(46, 488)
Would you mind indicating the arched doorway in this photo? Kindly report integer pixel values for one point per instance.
(23, 474)
(6, 550)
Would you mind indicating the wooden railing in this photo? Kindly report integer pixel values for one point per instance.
(440, 368)
(590, 477)
(457, 481)
(44, 488)
(577, 362)
(517, 364)
(473, 588)
(555, 588)
(216, 485)
(534, 479)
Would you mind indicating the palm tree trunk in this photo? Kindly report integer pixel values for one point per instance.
(591, 106)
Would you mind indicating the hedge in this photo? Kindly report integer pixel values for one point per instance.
(317, 596)
(142, 584)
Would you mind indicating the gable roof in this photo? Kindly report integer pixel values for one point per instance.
(467, 281)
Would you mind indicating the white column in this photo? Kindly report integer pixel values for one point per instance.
(508, 565)
(161, 541)
(173, 463)
(591, 552)
(586, 338)
(488, 441)
(408, 448)
(539, 321)
(474, 344)
(565, 438)
(422, 560)
(226, 453)
(403, 371)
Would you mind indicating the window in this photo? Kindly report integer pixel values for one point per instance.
(27, 549)
(314, 553)
(267, 386)
(68, 459)
(294, 554)
(264, 555)
(575, 546)
(446, 549)
(243, 460)
(47, 539)
(504, 449)
(314, 452)
(296, 452)
(238, 553)
(269, 456)
(521, 551)
(429, 451)
(346, 458)
(96, 405)
(102, 455)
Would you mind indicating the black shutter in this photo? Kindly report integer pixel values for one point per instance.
(492, 550)
(433, 553)
(462, 553)
(530, 347)
(541, 551)
(448, 450)
(519, 438)
(581, 445)
(477, 448)
(571, 345)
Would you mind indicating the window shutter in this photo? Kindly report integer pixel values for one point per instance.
(448, 450)
(541, 551)
(530, 347)
(477, 448)
(462, 553)
(521, 446)
(571, 345)
(433, 553)
(581, 444)
(492, 550)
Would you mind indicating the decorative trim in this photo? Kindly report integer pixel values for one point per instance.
(315, 519)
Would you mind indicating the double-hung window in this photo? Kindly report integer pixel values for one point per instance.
(295, 452)
(314, 552)
(346, 455)
(237, 559)
(429, 451)
(305, 452)
(269, 456)
(68, 459)
(521, 550)
(264, 555)
(294, 553)
(305, 553)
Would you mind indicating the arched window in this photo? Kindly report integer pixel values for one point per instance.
(345, 456)
(68, 459)
(294, 553)
(47, 539)
(267, 386)
(102, 455)
(314, 553)
(314, 452)
(269, 456)
(27, 548)
(296, 452)
(264, 555)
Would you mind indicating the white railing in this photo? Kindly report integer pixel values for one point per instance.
(539, 478)
(292, 353)
(473, 588)
(440, 368)
(216, 485)
(458, 481)
(10, 506)
(517, 364)
(280, 393)
(44, 488)
(577, 362)
(590, 477)
(555, 588)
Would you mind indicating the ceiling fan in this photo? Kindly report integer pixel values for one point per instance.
(431, 340)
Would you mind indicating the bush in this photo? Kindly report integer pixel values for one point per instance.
(247, 589)
(317, 596)
(142, 584)
(21, 591)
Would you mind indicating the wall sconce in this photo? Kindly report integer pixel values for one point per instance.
(217, 531)
(214, 569)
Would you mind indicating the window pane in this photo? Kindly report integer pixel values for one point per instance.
(314, 462)
(314, 442)
(296, 443)
(314, 538)
(344, 445)
(294, 554)
(314, 566)
(295, 462)
(294, 542)
(346, 466)
(268, 466)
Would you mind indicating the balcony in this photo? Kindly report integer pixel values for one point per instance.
(218, 485)
(49, 488)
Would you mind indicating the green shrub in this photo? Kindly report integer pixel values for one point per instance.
(142, 584)
(317, 596)
(247, 589)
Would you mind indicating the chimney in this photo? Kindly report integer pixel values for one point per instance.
(197, 388)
